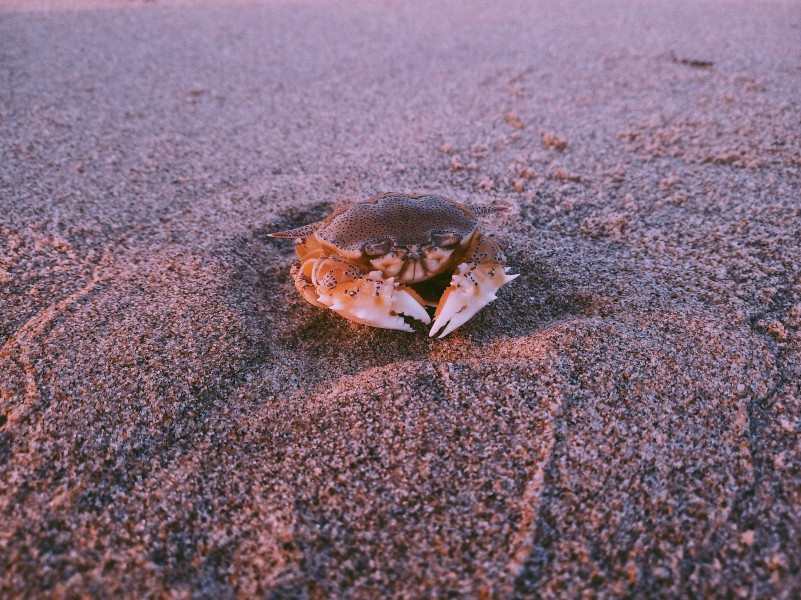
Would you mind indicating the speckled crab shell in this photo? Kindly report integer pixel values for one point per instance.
(409, 237)
(406, 220)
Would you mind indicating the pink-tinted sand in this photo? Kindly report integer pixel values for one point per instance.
(176, 421)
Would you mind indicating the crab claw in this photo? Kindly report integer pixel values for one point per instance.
(375, 301)
(472, 287)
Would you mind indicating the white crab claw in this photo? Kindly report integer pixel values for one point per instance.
(402, 302)
(376, 302)
(470, 291)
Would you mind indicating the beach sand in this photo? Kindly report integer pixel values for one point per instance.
(623, 421)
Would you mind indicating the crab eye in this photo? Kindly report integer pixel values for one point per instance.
(378, 248)
(446, 240)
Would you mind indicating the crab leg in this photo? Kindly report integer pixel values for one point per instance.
(473, 286)
(366, 298)
(302, 276)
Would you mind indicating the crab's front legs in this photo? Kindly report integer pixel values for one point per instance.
(366, 298)
(473, 286)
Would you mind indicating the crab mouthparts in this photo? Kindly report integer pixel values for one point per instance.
(413, 270)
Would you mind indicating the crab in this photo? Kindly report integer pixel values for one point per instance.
(390, 257)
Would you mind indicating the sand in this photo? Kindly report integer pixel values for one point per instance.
(176, 421)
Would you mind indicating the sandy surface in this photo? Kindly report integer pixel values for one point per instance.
(624, 420)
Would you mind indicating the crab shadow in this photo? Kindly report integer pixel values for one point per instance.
(324, 346)
(538, 298)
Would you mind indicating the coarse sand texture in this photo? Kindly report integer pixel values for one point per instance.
(175, 419)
